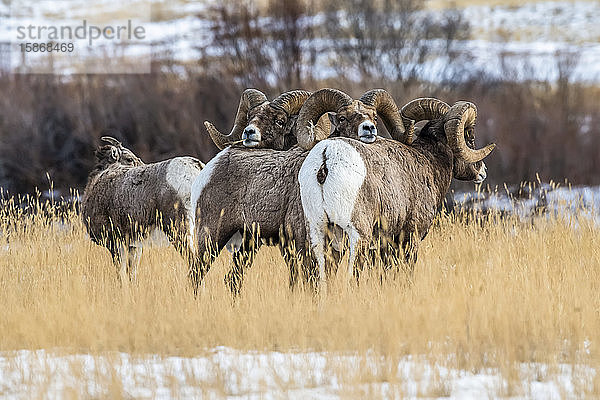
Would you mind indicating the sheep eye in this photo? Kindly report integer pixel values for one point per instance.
(342, 119)
(470, 139)
(279, 122)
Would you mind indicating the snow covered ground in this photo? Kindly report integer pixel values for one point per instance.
(527, 37)
(540, 200)
(227, 373)
(531, 34)
(565, 21)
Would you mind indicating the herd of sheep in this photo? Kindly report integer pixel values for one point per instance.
(308, 172)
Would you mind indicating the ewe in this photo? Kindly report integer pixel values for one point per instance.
(125, 199)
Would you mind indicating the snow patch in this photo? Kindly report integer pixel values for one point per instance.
(223, 372)
(544, 199)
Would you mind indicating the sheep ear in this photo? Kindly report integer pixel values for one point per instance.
(333, 119)
(114, 154)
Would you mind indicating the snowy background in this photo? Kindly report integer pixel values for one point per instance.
(527, 37)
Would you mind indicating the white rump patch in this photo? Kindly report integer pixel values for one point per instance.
(181, 173)
(202, 179)
(333, 201)
(337, 195)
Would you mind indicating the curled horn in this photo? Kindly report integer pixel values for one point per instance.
(427, 108)
(314, 107)
(463, 114)
(292, 101)
(250, 99)
(388, 111)
(111, 140)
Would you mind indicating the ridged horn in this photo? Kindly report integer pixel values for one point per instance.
(111, 140)
(425, 108)
(388, 111)
(291, 101)
(463, 114)
(314, 107)
(250, 99)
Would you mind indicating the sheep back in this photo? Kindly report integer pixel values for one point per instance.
(398, 187)
(128, 201)
(240, 188)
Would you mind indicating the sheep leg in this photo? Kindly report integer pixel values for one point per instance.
(287, 247)
(199, 267)
(242, 259)
(318, 250)
(354, 238)
(357, 254)
(117, 251)
(134, 257)
(296, 257)
(410, 245)
(300, 263)
(317, 234)
(195, 273)
(201, 261)
(183, 238)
(186, 247)
(388, 252)
(291, 260)
(235, 277)
(120, 259)
(332, 261)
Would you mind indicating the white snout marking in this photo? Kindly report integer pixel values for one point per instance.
(482, 174)
(367, 132)
(251, 136)
(333, 200)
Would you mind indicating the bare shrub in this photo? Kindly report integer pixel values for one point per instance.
(50, 124)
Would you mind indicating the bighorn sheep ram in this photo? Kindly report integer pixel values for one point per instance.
(125, 199)
(260, 123)
(255, 192)
(389, 189)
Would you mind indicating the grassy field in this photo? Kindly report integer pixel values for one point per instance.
(491, 294)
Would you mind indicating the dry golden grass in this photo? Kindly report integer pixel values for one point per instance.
(493, 293)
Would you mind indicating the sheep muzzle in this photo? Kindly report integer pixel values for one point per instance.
(251, 136)
(367, 132)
